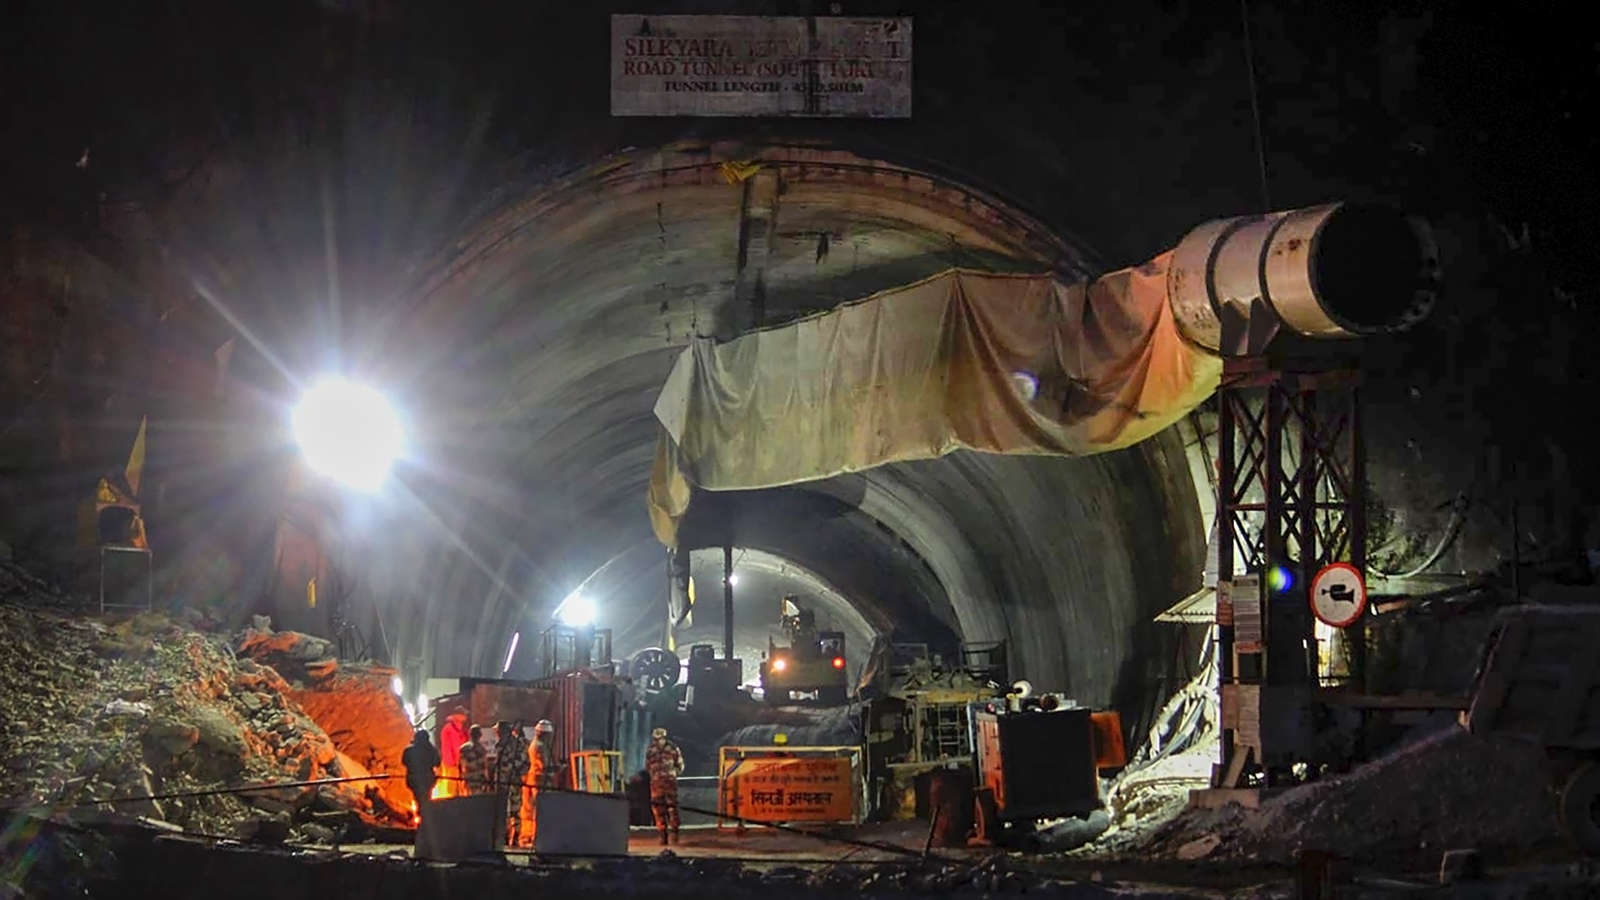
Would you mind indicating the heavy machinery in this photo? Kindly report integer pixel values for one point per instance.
(921, 723)
(952, 742)
(1038, 758)
(811, 668)
(1539, 680)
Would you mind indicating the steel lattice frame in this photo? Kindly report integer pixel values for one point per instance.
(1290, 458)
(1291, 480)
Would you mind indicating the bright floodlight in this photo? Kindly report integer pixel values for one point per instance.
(348, 432)
(733, 581)
(577, 611)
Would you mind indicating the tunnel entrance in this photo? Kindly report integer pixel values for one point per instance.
(536, 347)
(761, 581)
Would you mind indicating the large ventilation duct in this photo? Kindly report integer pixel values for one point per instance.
(1027, 364)
(1337, 271)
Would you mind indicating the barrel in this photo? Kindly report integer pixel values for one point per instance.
(950, 804)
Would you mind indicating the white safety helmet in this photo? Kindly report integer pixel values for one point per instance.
(545, 726)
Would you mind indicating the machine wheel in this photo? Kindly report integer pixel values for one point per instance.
(656, 670)
(1580, 808)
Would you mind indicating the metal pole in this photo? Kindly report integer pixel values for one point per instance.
(1356, 519)
(1313, 430)
(727, 598)
(1274, 543)
(1227, 473)
(1516, 549)
(671, 617)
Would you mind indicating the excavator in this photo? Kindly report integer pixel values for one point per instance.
(811, 668)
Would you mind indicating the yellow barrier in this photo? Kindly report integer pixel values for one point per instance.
(782, 785)
(597, 771)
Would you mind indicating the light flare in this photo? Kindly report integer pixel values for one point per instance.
(348, 432)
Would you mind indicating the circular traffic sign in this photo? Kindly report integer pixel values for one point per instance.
(1338, 595)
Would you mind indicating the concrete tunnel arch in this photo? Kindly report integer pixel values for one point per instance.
(546, 332)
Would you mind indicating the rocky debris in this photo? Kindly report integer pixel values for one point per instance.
(1141, 803)
(1446, 789)
(140, 706)
(994, 875)
(38, 859)
(354, 703)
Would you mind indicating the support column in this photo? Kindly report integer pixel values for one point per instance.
(727, 599)
(680, 603)
(758, 238)
(1356, 517)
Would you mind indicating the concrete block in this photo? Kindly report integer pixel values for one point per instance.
(580, 824)
(460, 828)
(1217, 798)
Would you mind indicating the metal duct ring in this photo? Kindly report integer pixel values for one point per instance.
(656, 669)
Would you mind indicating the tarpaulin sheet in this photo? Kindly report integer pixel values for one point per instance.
(944, 364)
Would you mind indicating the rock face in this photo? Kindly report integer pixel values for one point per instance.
(99, 711)
(353, 704)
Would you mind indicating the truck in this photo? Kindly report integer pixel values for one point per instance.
(1538, 679)
(812, 667)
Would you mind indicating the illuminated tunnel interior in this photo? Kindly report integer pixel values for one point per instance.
(528, 359)
(760, 580)
(535, 355)
(523, 299)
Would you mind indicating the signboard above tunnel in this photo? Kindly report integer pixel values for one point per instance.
(761, 66)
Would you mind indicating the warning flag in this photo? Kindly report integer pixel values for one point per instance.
(135, 469)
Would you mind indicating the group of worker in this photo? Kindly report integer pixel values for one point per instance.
(467, 768)
(519, 766)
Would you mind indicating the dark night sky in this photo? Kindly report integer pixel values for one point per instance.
(1124, 123)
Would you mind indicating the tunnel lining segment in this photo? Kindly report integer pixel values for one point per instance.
(862, 187)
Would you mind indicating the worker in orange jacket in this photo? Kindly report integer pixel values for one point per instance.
(451, 737)
(542, 768)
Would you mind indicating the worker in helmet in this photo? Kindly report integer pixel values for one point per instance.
(510, 770)
(541, 774)
(664, 762)
(475, 776)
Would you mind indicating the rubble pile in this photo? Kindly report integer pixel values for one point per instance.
(1444, 790)
(1141, 803)
(354, 703)
(104, 715)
